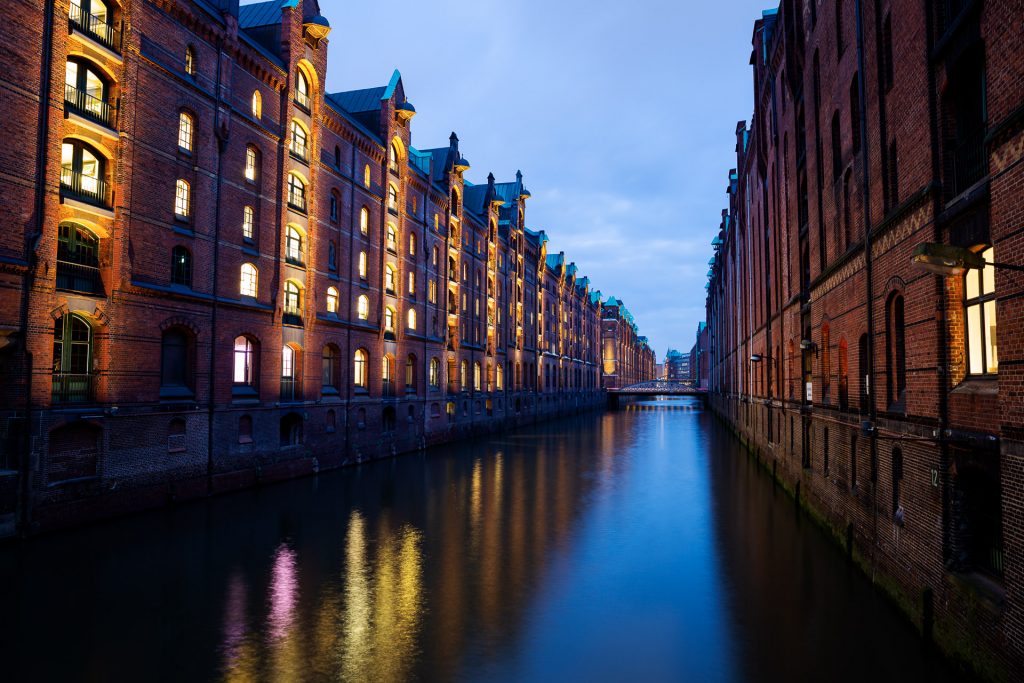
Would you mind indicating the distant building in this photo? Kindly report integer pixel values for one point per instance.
(677, 365)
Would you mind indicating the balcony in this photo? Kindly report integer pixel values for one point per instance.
(94, 27)
(292, 315)
(291, 390)
(88, 106)
(87, 188)
(72, 387)
(77, 277)
(968, 163)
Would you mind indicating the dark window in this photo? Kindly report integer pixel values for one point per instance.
(291, 430)
(72, 359)
(181, 266)
(245, 429)
(965, 158)
(175, 365)
(897, 481)
(977, 510)
(896, 364)
(837, 149)
(865, 374)
(855, 113)
(334, 207)
(330, 370)
(388, 419)
(78, 266)
(332, 256)
(894, 175)
(337, 156)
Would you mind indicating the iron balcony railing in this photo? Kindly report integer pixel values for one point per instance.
(969, 162)
(295, 258)
(87, 105)
(72, 387)
(94, 27)
(291, 390)
(292, 315)
(78, 277)
(85, 187)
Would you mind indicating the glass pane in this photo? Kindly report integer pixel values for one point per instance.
(240, 364)
(971, 282)
(990, 337)
(71, 74)
(974, 339)
(988, 277)
(93, 85)
(287, 362)
(99, 10)
(67, 155)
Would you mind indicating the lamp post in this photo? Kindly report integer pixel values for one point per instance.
(950, 261)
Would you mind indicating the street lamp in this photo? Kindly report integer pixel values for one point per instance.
(949, 261)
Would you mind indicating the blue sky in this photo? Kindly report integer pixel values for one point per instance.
(620, 115)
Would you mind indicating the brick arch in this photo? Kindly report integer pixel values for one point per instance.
(894, 284)
(179, 321)
(97, 317)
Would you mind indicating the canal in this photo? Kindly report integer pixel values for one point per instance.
(639, 545)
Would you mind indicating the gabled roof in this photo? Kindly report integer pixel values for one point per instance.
(262, 13)
(358, 101)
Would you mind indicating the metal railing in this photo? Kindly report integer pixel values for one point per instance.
(291, 389)
(94, 27)
(78, 277)
(292, 315)
(86, 187)
(88, 105)
(969, 162)
(72, 387)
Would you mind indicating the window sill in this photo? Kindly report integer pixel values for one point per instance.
(183, 229)
(978, 386)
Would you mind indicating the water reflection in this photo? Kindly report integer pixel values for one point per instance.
(636, 545)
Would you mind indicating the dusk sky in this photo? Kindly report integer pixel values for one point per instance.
(621, 117)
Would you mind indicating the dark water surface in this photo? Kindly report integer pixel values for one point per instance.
(640, 545)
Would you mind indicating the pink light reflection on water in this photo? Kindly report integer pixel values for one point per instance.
(284, 593)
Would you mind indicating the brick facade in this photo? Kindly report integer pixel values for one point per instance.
(856, 377)
(216, 273)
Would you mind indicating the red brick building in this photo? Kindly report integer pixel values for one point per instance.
(627, 357)
(216, 273)
(879, 392)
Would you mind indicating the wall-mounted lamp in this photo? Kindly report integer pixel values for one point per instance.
(949, 261)
(756, 358)
(807, 345)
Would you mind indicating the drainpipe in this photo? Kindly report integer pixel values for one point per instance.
(222, 133)
(42, 139)
(866, 188)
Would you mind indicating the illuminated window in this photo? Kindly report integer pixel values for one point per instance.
(257, 104)
(185, 131)
(389, 319)
(435, 373)
(332, 300)
(302, 90)
(190, 60)
(292, 299)
(476, 376)
(500, 377)
(412, 244)
(293, 245)
(247, 284)
(391, 238)
(393, 159)
(411, 319)
(248, 219)
(464, 374)
(980, 305)
(432, 291)
(366, 175)
(250, 163)
(412, 283)
(181, 266)
(245, 362)
(364, 220)
(359, 373)
(296, 193)
(437, 224)
(363, 307)
(389, 278)
(298, 146)
(362, 265)
(392, 198)
(181, 199)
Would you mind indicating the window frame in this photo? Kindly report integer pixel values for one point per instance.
(985, 303)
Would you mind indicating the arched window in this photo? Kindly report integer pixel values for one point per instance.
(182, 199)
(332, 300)
(257, 104)
(185, 131)
(330, 369)
(393, 159)
(298, 145)
(247, 282)
(291, 365)
(895, 357)
(362, 265)
(410, 372)
(181, 266)
(980, 307)
(476, 376)
(291, 430)
(844, 369)
(334, 206)
(86, 91)
(78, 264)
(455, 202)
(251, 163)
(359, 370)
(296, 193)
(389, 322)
(433, 257)
(364, 220)
(292, 303)
(248, 222)
(190, 60)
(176, 375)
(302, 90)
(366, 175)
(72, 359)
(82, 172)
(391, 238)
(826, 363)
(435, 373)
(499, 375)
(392, 198)
(411, 319)
(412, 244)
(337, 156)
(412, 283)
(293, 246)
(464, 375)
(864, 373)
(387, 375)
(363, 307)
(389, 278)
(332, 256)
(245, 365)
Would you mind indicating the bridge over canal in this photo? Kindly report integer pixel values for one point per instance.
(658, 387)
